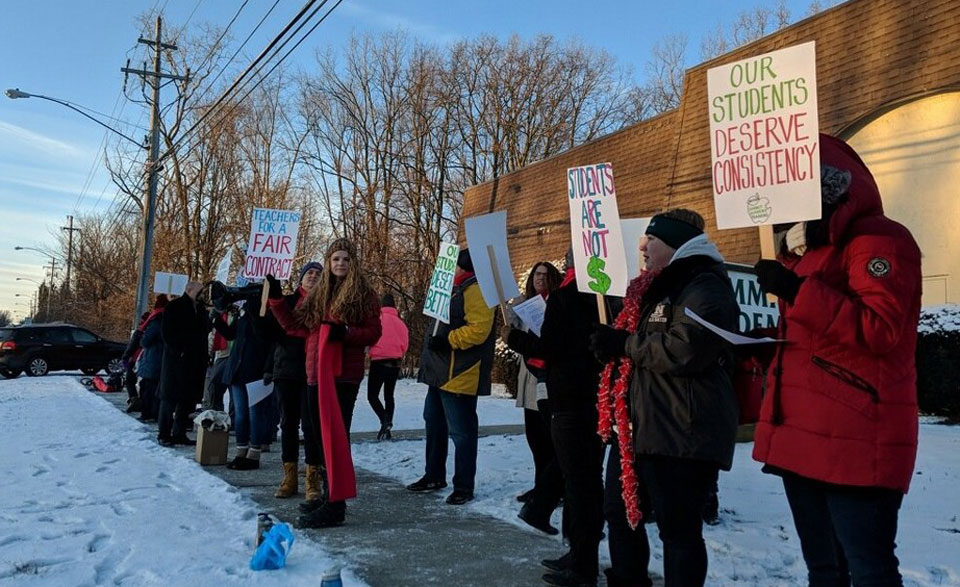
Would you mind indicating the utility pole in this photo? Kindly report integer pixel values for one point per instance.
(70, 230)
(152, 167)
(53, 272)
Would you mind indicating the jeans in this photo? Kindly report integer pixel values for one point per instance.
(677, 488)
(846, 532)
(293, 410)
(383, 373)
(629, 549)
(451, 415)
(252, 422)
(580, 455)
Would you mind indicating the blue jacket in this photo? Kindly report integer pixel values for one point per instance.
(151, 358)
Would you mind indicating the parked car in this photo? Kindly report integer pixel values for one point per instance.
(38, 349)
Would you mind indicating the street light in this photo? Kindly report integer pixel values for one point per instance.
(53, 268)
(15, 93)
(31, 280)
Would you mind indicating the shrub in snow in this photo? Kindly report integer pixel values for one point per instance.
(938, 367)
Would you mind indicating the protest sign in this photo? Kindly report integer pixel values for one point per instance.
(223, 268)
(486, 238)
(272, 245)
(169, 283)
(437, 304)
(633, 230)
(531, 313)
(595, 230)
(756, 311)
(764, 138)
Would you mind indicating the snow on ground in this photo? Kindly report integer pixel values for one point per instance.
(755, 543)
(87, 498)
(940, 318)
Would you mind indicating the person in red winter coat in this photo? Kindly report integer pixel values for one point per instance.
(339, 318)
(839, 420)
(385, 357)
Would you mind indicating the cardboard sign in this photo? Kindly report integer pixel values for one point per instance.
(272, 245)
(595, 230)
(437, 304)
(756, 311)
(764, 138)
(169, 283)
(633, 230)
(490, 230)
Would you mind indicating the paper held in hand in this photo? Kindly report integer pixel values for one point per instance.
(731, 337)
(531, 313)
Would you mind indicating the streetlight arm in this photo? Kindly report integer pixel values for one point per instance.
(15, 93)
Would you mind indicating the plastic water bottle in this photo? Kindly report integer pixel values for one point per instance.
(331, 578)
(264, 523)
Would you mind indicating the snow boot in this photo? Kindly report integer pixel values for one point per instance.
(289, 486)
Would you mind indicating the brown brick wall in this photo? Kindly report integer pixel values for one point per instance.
(870, 53)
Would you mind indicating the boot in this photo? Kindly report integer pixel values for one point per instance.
(289, 486)
(314, 484)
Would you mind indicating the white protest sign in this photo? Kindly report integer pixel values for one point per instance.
(223, 268)
(169, 283)
(633, 230)
(764, 138)
(531, 313)
(756, 311)
(491, 230)
(272, 245)
(595, 230)
(257, 391)
(437, 303)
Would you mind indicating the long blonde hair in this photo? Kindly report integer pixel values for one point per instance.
(350, 300)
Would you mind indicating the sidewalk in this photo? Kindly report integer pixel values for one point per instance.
(395, 537)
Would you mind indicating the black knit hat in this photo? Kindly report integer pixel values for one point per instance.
(672, 231)
(311, 265)
(464, 262)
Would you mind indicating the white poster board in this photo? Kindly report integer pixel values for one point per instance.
(595, 230)
(437, 303)
(272, 245)
(633, 230)
(223, 268)
(491, 230)
(764, 138)
(170, 283)
(531, 313)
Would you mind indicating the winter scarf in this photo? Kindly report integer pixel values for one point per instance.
(341, 477)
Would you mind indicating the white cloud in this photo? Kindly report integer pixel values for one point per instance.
(11, 133)
(389, 21)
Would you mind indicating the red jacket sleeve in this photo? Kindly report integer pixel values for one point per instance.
(368, 332)
(281, 311)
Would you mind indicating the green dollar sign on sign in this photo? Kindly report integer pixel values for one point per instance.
(601, 281)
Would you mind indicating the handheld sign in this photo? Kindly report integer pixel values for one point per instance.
(272, 245)
(487, 241)
(633, 230)
(169, 283)
(437, 303)
(764, 138)
(223, 268)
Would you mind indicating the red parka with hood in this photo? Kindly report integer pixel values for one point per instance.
(841, 401)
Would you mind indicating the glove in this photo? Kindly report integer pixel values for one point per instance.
(267, 378)
(776, 279)
(439, 344)
(276, 292)
(337, 331)
(608, 343)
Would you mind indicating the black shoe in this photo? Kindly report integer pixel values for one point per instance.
(165, 441)
(310, 506)
(424, 484)
(146, 418)
(326, 516)
(184, 441)
(526, 496)
(711, 510)
(459, 497)
(384, 433)
(244, 464)
(529, 515)
(558, 564)
(133, 405)
(568, 578)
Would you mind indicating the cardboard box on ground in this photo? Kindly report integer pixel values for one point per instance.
(212, 446)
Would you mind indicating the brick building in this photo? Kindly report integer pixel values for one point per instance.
(888, 76)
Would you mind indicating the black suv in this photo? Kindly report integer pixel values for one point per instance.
(40, 348)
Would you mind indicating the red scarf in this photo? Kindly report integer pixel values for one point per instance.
(535, 362)
(463, 276)
(341, 478)
(569, 277)
(612, 398)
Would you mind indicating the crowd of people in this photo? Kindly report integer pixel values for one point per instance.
(838, 421)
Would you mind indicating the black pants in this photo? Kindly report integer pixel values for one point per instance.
(173, 419)
(293, 403)
(130, 382)
(383, 373)
(149, 401)
(347, 398)
(846, 532)
(677, 489)
(629, 548)
(548, 487)
(580, 455)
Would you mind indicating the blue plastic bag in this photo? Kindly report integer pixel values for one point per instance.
(272, 552)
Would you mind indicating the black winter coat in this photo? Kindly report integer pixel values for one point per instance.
(289, 360)
(682, 398)
(248, 356)
(184, 330)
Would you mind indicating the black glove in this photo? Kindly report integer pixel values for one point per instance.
(337, 332)
(776, 279)
(276, 292)
(439, 344)
(608, 343)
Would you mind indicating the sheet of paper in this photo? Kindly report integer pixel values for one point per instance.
(732, 337)
(257, 391)
(531, 313)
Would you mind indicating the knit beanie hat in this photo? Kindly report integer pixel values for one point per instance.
(464, 261)
(311, 265)
(340, 244)
(672, 231)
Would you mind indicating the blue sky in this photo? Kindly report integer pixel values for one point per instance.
(51, 163)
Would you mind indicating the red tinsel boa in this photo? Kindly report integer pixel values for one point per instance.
(612, 398)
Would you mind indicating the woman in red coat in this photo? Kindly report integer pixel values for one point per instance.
(339, 318)
(839, 420)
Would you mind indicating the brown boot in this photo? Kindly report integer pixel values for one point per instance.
(288, 487)
(314, 489)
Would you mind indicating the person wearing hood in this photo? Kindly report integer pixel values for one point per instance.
(288, 371)
(385, 357)
(674, 383)
(839, 420)
(151, 360)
